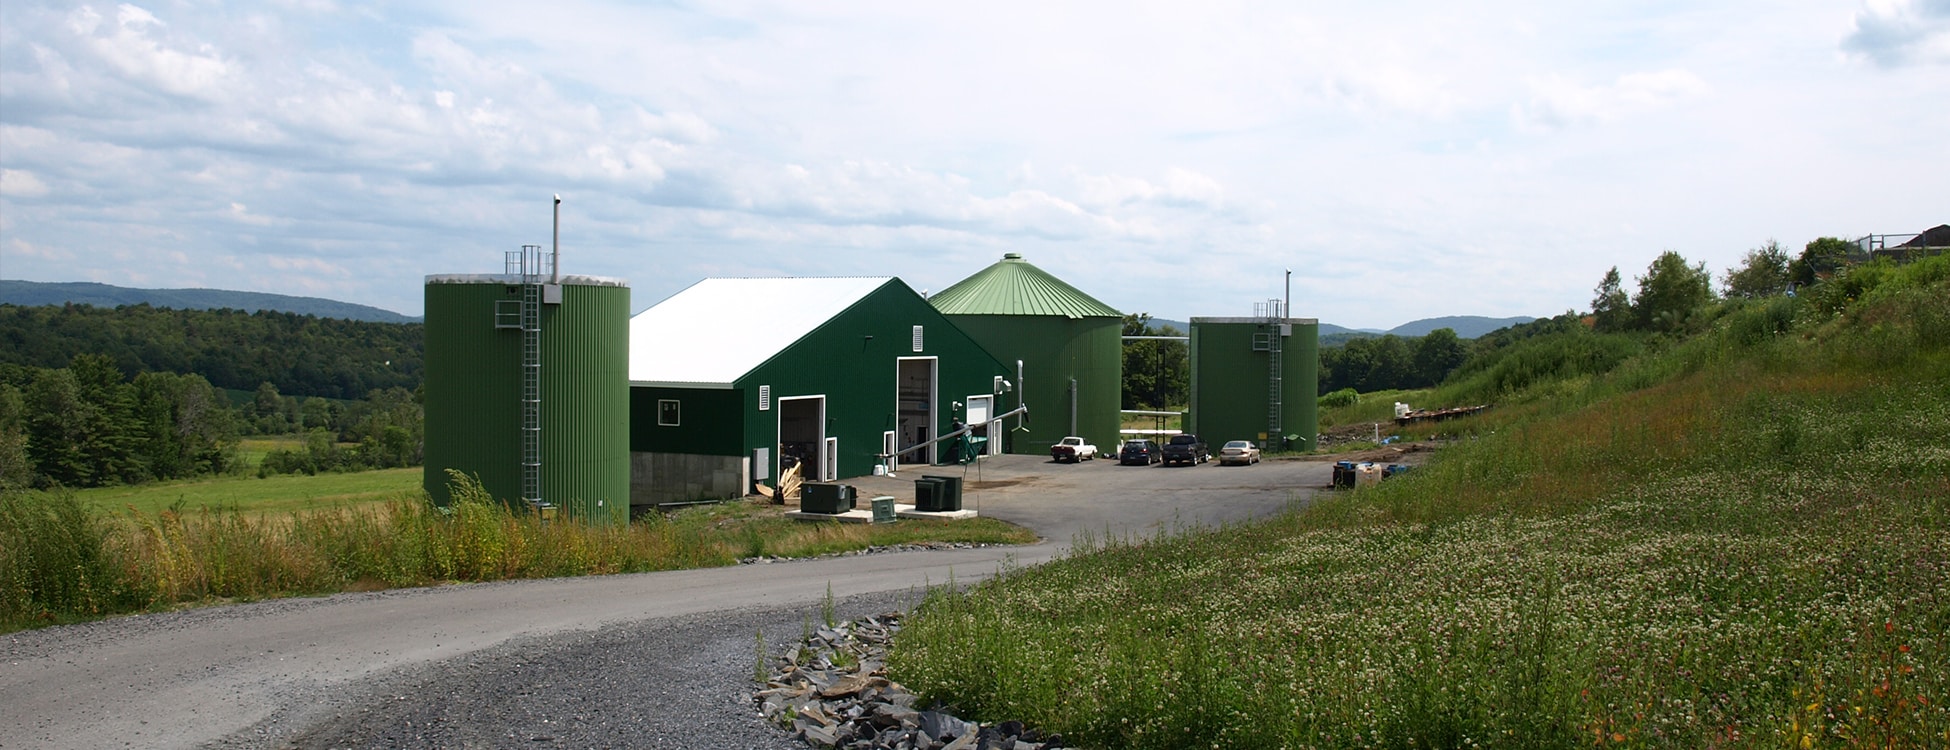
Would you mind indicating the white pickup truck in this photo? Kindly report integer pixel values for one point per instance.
(1072, 449)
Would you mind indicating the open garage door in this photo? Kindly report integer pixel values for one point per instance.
(915, 404)
(802, 436)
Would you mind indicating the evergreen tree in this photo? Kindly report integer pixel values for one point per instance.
(109, 426)
(1611, 310)
(16, 468)
(185, 425)
(55, 433)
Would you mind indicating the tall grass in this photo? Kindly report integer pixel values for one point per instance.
(1737, 540)
(61, 560)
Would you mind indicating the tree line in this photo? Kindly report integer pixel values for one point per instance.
(87, 425)
(300, 355)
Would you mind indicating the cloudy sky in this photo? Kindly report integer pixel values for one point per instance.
(1405, 160)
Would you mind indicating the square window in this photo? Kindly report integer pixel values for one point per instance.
(668, 412)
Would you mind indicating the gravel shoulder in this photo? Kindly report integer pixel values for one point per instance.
(644, 660)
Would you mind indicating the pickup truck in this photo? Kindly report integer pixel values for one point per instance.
(1186, 449)
(1072, 450)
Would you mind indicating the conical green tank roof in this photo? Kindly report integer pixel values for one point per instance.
(1014, 287)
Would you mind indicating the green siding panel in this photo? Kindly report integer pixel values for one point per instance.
(473, 396)
(1053, 351)
(1230, 383)
(707, 424)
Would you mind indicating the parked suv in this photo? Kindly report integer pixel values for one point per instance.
(1186, 449)
(1142, 452)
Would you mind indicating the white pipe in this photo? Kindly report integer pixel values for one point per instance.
(555, 260)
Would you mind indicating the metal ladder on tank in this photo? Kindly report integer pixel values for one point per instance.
(530, 269)
(1275, 314)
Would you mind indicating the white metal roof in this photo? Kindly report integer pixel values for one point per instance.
(719, 329)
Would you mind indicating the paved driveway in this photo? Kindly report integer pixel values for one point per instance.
(323, 672)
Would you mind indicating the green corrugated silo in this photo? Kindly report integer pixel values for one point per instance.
(1234, 388)
(527, 387)
(1071, 347)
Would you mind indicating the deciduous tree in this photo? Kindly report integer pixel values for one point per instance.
(1763, 272)
(1821, 257)
(1670, 293)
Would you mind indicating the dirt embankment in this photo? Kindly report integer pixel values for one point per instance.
(1340, 442)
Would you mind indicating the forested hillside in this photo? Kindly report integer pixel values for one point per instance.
(93, 396)
(300, 355)
(39, 293)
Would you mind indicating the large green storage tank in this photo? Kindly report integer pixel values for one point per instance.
(1071, 347)
(1232, 386)
(475, 382)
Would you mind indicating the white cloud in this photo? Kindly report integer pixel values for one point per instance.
(20, 183)
(136, 48)
(1556, 102)
(1901, 32)
(1346, 142)
(242, 214)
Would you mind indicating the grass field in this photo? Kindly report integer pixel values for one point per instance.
(1738, 540)
(276, 494)
(66, 556)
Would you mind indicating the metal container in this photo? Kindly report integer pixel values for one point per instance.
(825, 497)
(946, 498)
(1071, 347)
(477, 400)
(1231, 381)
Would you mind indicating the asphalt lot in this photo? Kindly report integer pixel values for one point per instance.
(361, 669)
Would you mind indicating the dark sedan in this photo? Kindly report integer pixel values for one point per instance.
(1139, 453)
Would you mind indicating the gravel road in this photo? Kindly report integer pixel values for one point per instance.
(656, 660)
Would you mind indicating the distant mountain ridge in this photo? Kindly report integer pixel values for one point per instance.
(1465, 326)
(37, 293)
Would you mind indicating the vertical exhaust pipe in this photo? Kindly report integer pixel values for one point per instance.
(555, 259)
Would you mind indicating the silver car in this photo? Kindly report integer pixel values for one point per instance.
(1241, 452)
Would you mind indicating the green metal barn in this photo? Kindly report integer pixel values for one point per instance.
(1255, 379)
(730, 377)
(1070, 347)
(526, 388)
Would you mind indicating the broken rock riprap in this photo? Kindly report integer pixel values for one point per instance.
(832, 691)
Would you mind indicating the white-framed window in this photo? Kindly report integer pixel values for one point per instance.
(670, 412)
(765, 398)
(917, 338)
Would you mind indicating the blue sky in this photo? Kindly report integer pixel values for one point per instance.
(1407, 161)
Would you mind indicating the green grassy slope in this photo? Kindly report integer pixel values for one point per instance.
(1739, 539)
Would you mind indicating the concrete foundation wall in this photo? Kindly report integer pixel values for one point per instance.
(680, 477)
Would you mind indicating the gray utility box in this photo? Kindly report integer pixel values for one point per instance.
(825, 497)
(937, 494)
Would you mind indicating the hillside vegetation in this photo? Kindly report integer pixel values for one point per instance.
(300, 355)
(1724, 526)
(67, 557)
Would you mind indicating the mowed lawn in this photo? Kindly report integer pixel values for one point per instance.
(277, 494)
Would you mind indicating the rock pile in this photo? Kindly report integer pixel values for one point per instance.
(832, 691)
